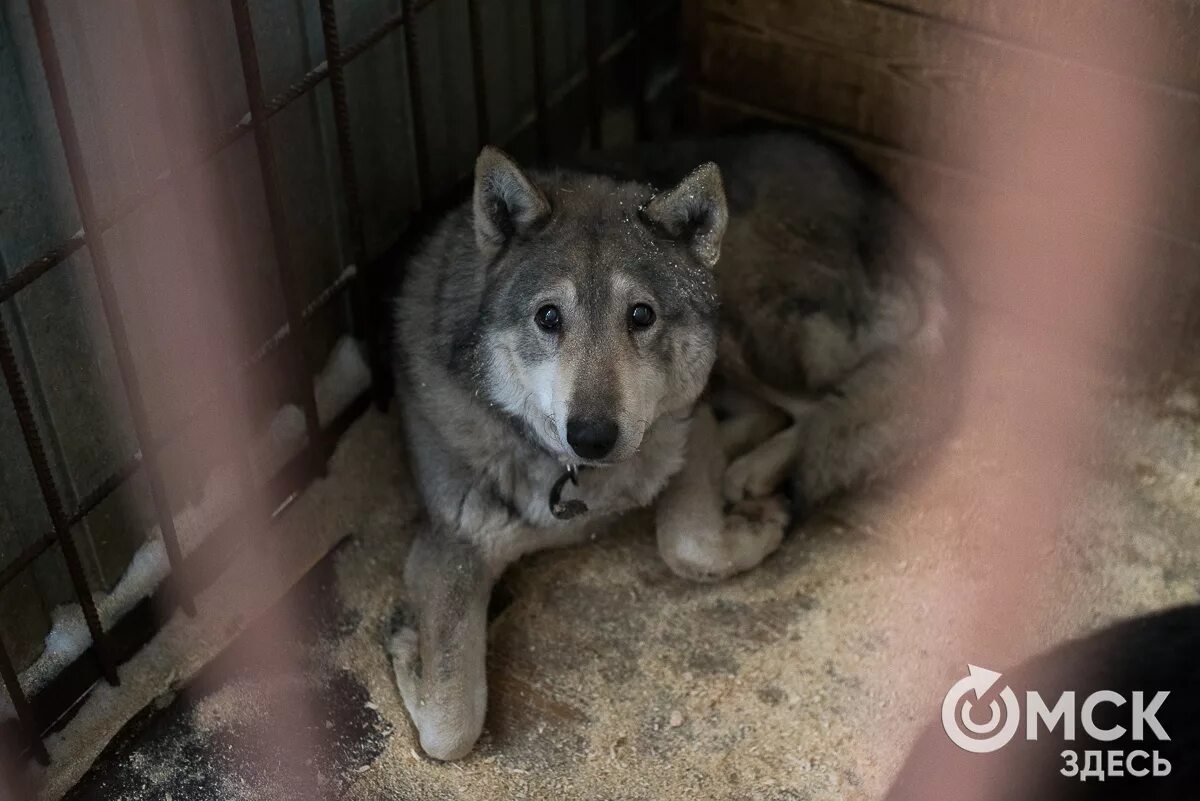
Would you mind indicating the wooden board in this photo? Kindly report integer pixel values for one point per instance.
(930, 88)
(1154, 307)
(1156, 40)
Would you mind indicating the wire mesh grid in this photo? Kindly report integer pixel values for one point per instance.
(188, 574)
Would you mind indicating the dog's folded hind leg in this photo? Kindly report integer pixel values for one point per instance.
(888, 412)
(695, 537)
(440, 664)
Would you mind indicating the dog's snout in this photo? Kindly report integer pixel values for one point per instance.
(591, 438)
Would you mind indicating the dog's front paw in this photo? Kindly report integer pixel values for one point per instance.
(696, 560)
(448, 722)
(760, 513)
(754, 529)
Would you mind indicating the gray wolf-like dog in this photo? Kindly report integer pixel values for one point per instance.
(572, 345)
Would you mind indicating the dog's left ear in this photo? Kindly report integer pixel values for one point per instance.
(506, 201)
(694, 212)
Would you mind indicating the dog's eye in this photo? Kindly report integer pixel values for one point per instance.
(641, 316)
(548, 318)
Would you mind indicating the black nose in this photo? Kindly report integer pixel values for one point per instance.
(591, 438)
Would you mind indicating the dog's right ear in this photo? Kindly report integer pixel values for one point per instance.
(695, 211)
(506, 201)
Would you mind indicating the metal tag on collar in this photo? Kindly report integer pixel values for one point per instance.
(566, 510)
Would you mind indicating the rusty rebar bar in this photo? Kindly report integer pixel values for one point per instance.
(53, 501)
(101, 270)
(302, 372)
(483, 121)
(416, 99)
(541, 122)
(20, 702)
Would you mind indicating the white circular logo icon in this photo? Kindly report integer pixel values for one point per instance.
(959, 723)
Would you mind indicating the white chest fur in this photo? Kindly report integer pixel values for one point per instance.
(607, 492)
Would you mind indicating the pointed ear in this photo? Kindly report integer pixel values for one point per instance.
(506, 201)
(694, 212)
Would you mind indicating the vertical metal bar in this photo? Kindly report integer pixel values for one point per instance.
(302, 370)
(173, 130)
(417, 100)
(38, 399)
(53, 501)
(642, 56)
(365, 318)
(540, 121)
(341, 119)
(595, 86)
(12, 683)
(237, 243)
(483, 123)
(56, 83)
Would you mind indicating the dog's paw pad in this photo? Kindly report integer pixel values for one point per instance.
(770, 511)
(754, 529)
(697, 565)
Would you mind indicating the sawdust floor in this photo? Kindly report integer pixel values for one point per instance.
(612, 679)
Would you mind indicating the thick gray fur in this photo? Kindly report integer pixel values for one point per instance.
(827, 342)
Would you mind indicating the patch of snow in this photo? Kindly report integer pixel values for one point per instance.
(344, 377)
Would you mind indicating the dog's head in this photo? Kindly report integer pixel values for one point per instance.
(600, 311)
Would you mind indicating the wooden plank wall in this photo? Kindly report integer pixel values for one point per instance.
(908, 84)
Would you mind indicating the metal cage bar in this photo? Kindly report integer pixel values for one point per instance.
(302, 371)
(483, 120)
(541, 123)
(25, 558)
(641, 111)
(363, 309)
(341, 120)
(80, 185)
(236, 393)
(56, 256)
(53, 501)
(134, 463)
(416, 100)
(595, 85)
(39, 267)
(20, 702)
(292, 332)
(131, 466)
(29, 273)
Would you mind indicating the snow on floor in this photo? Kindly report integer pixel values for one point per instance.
(344, 377)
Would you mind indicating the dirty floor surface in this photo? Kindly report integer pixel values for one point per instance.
(612, 679)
